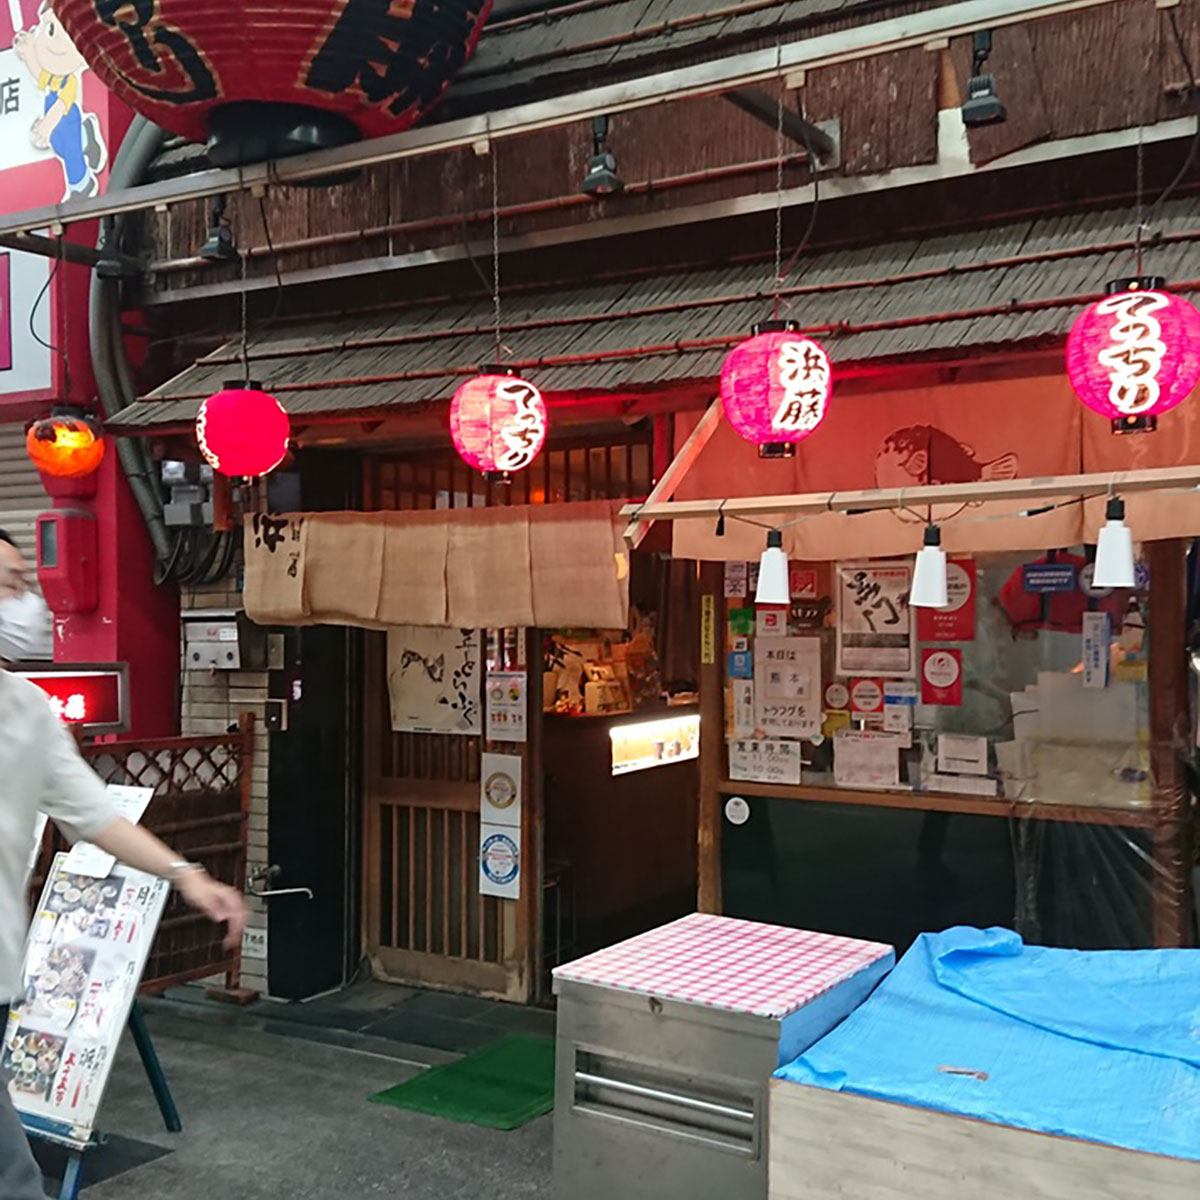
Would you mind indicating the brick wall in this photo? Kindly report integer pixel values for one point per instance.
(211, 702)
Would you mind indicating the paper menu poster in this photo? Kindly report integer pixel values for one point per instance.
(84, 959)
(736, 578)
(743, 707)
(874, 621)
(130, 803)
(764, 761)
(507, 706)
(867, 759)
(787, 686)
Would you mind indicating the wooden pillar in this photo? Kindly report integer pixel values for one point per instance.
(712, 733)
(1169, 740)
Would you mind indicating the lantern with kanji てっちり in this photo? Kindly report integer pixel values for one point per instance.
(775, 386)
(498, 421)
(243, 431)
(264, 80)
(1135, 354)
(67, 444)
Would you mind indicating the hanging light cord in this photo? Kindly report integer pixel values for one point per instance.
(496, 247)
(59, 350)
(780, 86)
(1194, 98)
(1140, 215)
(245, 323)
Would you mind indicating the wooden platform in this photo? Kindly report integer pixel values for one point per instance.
(833, 1146)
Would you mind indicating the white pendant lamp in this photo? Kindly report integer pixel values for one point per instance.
(929, 573)
(773, 573)
(1114, 549)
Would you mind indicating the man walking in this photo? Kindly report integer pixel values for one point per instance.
(41, 770)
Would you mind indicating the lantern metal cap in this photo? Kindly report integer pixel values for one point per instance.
(774, 326)
(248, 385)
(1135, 283)
(497, 369)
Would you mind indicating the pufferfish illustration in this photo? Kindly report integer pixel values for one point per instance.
(923, 454)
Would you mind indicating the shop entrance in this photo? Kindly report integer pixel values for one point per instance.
(424, 918)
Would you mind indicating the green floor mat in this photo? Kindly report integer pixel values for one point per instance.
(503, 1086)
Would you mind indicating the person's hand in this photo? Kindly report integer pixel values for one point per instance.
(217, 901)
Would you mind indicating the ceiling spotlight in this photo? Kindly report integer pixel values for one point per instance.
(929, 573)
(601, 178)
(773, 587)
(218, 244)
(1114, 550)
(982, 105)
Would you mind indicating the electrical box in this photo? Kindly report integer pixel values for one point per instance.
(68, 561)
(222, 640)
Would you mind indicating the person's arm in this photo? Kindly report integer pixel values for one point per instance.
(141, 850)
(75, 799)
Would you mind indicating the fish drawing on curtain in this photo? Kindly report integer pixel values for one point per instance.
(919, 455)
(434, 679)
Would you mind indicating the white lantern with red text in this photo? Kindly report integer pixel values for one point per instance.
(1135, 354)
(498, 421)
(775, 387)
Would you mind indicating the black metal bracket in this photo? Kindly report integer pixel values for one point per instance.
(764, 107)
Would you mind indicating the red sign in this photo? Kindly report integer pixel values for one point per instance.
(955, 622)
(802, 582)
(866, 696)
(941, 676)
(92, 699)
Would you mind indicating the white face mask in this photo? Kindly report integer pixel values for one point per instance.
(25, 631)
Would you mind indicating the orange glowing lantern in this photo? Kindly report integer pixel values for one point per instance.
(66, 444)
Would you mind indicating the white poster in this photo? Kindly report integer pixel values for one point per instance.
(500, 861)
(434, 679)
(764, 761)
(84, 959)
(1097, 654)
(507, 706)
(864, 758)
(86, 859)
(743, 707)
(787, 686)
(874, 623)
(736, 578)
(962, 754)
(500, 789)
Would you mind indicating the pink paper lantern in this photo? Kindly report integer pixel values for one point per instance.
(1136, 353)
(243, 431)
(498, 421)
(776, 385)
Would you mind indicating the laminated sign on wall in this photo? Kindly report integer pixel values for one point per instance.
(500, 789)
(434, 680)
(500, 861)
(507, 705)
(874, 622)
(787, 686)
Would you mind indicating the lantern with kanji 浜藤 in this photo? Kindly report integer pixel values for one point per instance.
(775, 386)
(264, 80)
(1135, 354)
(67, 444)
(498, 421)
(243, 431)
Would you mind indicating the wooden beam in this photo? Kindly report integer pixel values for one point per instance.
(673, 476)
(1169, 741)
(1044, 488)
(762, 106)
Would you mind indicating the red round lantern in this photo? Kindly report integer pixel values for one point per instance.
(1136, 353)
(243, 431)
(263, 80)
(498, 421)
(775, 386)
(67, 445)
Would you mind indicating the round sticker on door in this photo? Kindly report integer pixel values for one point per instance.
(837, 695)
(500, 789)
(941, 669)
(500, 859)
(958, 587)
(866, 695)
(737, 811)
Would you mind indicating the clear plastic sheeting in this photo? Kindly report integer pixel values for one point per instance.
(1094, 1045)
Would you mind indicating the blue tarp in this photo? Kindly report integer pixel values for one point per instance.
(1102, 1045)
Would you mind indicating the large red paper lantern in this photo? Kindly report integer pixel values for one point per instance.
(243, 431)
(1135, 354)
(775, 386)
(498, 421)
(261, 80)
(66, 445)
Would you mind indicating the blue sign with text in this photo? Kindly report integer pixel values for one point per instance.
(1049, 577)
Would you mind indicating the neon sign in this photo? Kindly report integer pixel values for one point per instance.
(92, 698)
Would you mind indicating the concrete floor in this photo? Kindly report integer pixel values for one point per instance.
(269, 1115)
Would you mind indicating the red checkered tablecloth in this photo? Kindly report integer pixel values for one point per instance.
(719, 962)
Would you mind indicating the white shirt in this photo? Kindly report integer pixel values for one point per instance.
(40, 770)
